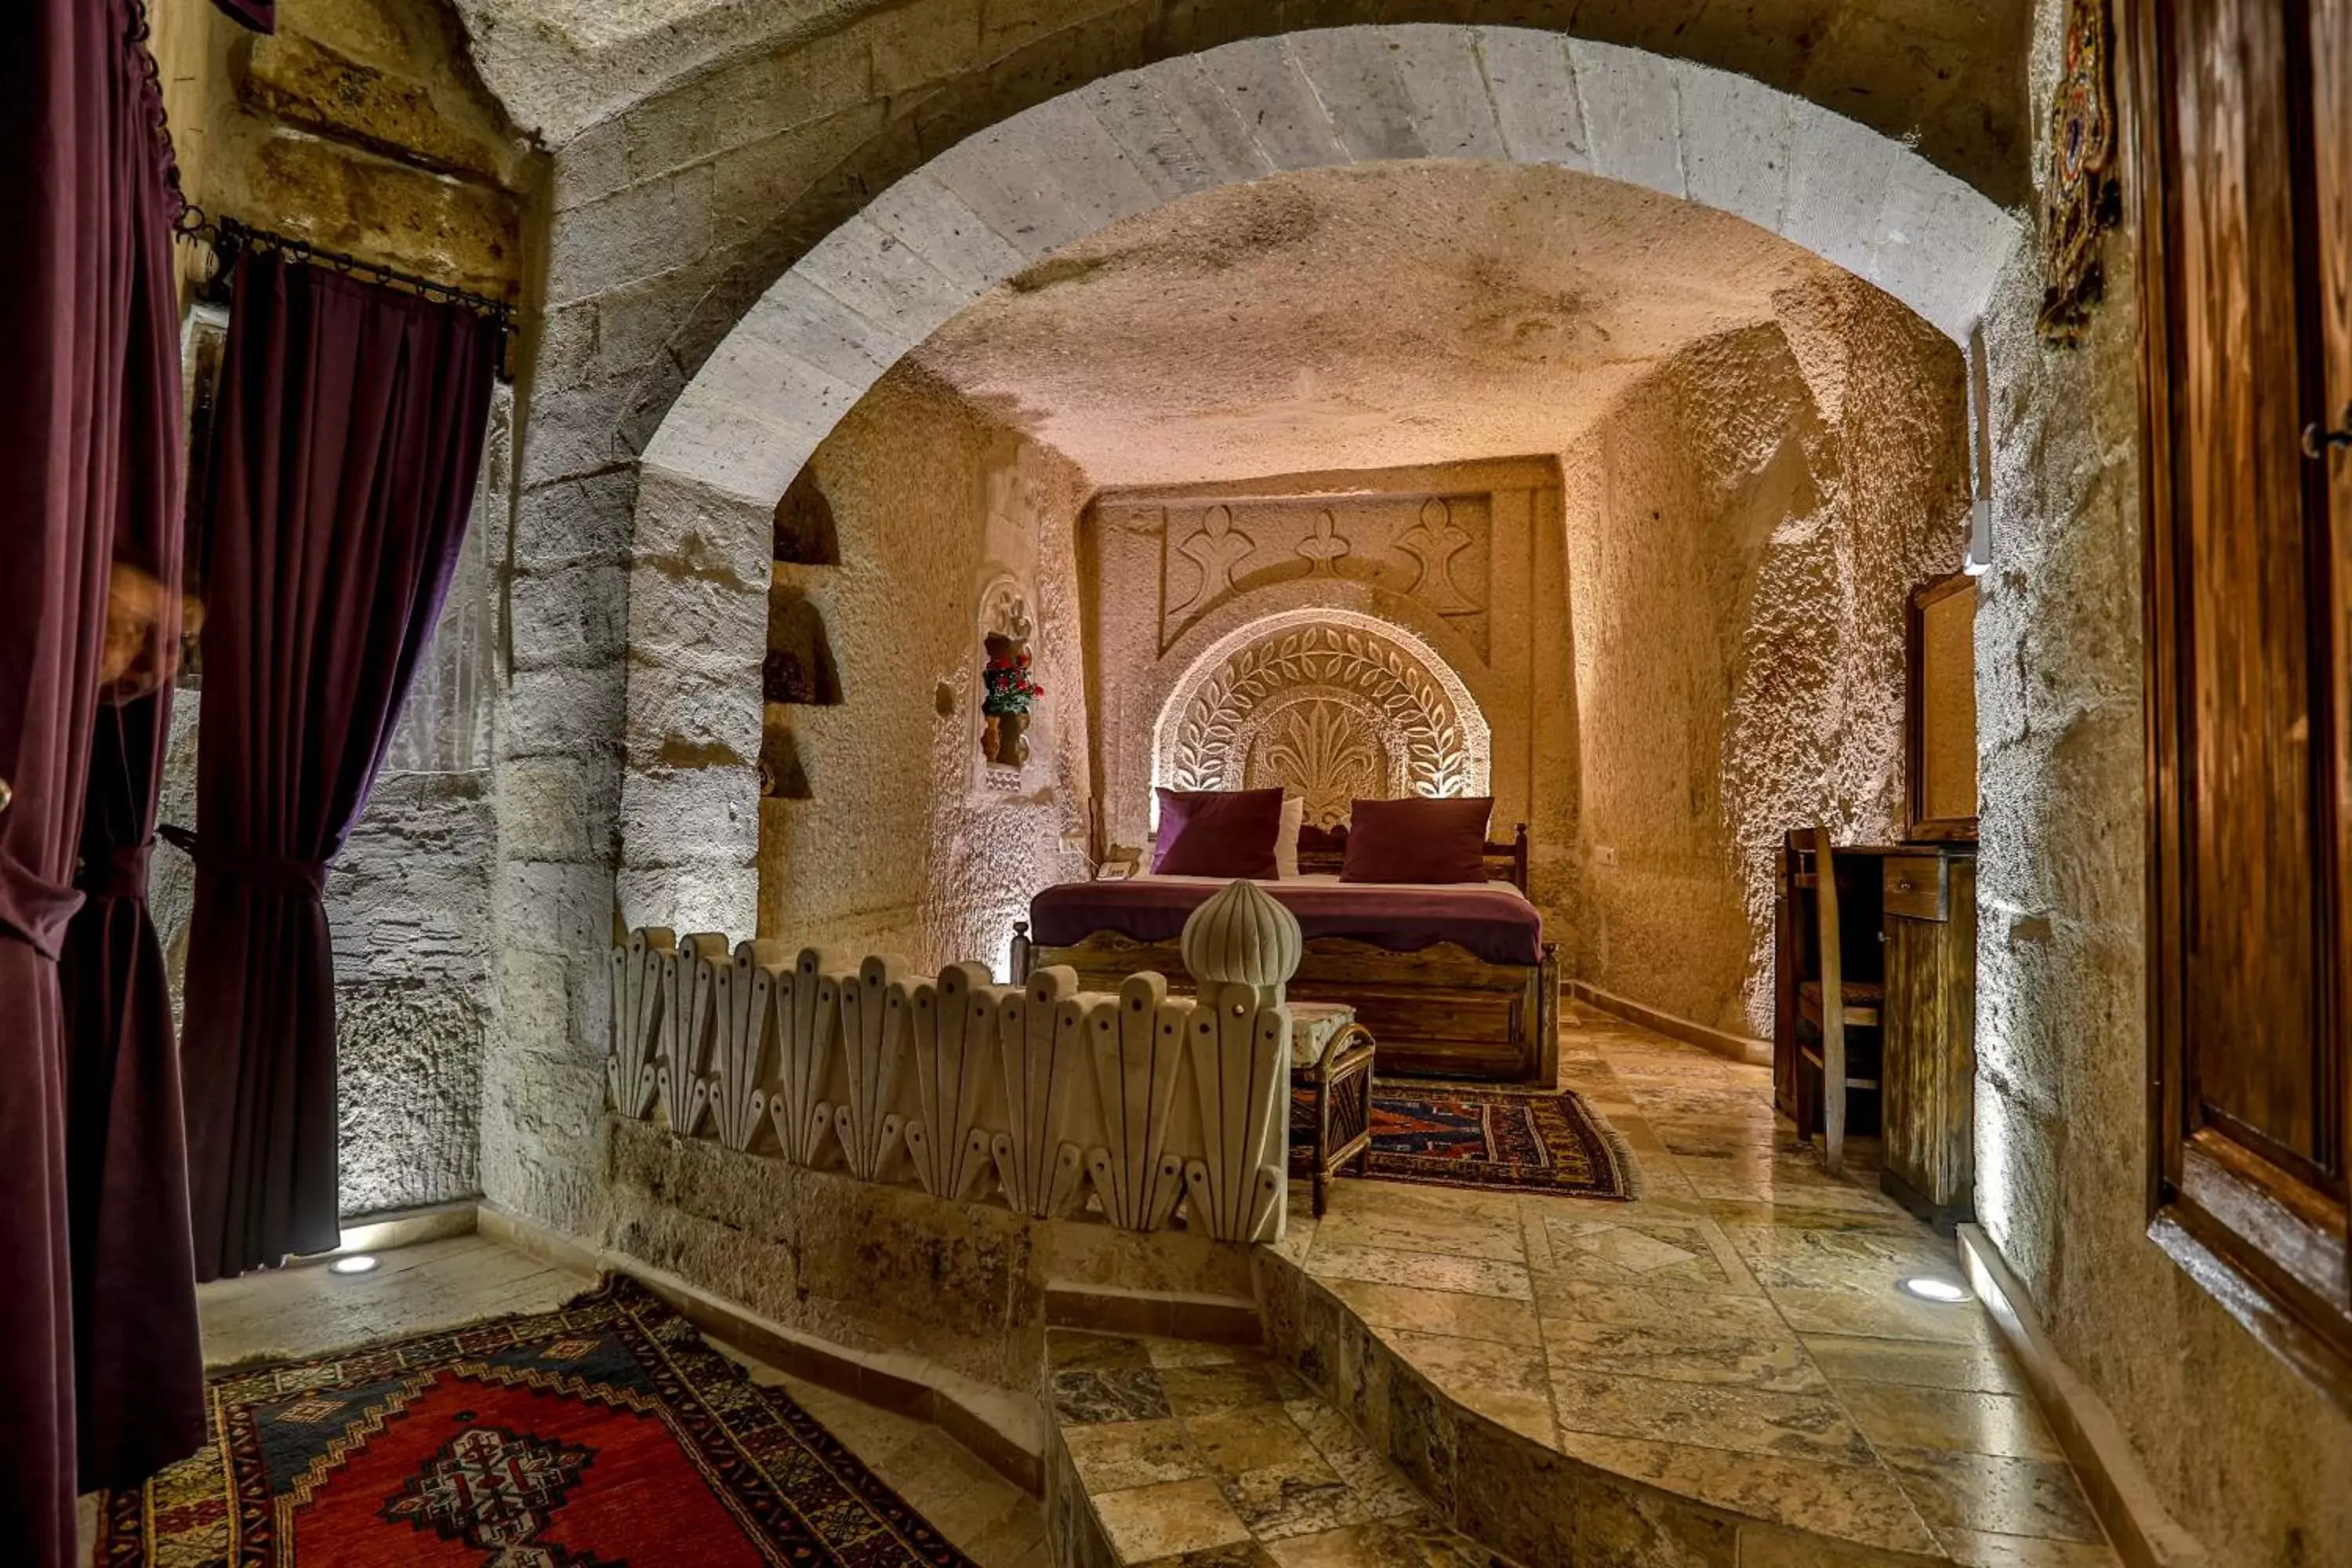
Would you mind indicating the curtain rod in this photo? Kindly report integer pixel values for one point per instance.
(227, 236)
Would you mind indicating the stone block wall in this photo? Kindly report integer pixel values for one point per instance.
(2247, 1457)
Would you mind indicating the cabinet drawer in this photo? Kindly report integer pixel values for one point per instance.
(1916, 886)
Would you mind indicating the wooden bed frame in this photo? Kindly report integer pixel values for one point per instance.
(1443, 1012)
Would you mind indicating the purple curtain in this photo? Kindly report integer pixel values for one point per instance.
(137, 1361)
(346, 440)
(87, 208)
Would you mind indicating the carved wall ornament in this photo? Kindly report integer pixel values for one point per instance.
(1434, 543)
(1325, 750)
(1324, 547)
(1040, 1045)
(689, 1023)
(2082, 191)
(1215, 547)
(1328, 704)
(807, 1007)
(953, 1024)
(734, 1089)
(637, 971)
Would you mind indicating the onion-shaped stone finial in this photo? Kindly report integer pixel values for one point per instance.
(1243, 936)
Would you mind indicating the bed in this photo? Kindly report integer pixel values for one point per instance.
(1453, 979)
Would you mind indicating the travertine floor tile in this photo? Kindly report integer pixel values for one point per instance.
(1886, 1314)
(1920, 1364)
(1148, 1522)
(1506, 1384)
(1116, 1454)
(1687, 1350)
(1570, 1296)
(1794, 1426)
(309, 1310)
(1993, 1495)
(1422, 1271)
(1502, 1318)
(1844, 1501)
(1894, 1415)
(1971, 1549)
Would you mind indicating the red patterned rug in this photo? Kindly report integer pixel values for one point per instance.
(1462, 1135)
(605, 1434)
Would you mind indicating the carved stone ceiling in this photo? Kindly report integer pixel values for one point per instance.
(1359, 318)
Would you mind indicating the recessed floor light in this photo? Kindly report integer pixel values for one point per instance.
(1927, 1288)
(357, 1263)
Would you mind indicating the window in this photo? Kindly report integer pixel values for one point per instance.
(2243, 146)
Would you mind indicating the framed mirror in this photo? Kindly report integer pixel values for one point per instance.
(1940, 710)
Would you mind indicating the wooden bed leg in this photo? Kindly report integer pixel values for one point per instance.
(1023, 952)
(1547, 1041)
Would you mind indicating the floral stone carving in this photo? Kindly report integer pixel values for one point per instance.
(1330, 709)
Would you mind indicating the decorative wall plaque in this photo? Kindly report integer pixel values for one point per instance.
(2082, 197)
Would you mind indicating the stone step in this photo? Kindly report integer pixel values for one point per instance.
(1215, 1456)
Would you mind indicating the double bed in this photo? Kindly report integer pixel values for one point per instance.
(1454, 980)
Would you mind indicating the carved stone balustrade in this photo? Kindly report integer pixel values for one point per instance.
(1173, 1111)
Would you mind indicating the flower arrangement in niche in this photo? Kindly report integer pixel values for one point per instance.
(1008, 693)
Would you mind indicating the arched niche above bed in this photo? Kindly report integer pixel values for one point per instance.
(1329, 705)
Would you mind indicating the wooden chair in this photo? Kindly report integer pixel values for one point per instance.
(1857, 1006)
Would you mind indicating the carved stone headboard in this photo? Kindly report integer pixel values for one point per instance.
(1328, 704)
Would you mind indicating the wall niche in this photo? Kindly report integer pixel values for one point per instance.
(800, 670)
(806, 535)
(782, 777)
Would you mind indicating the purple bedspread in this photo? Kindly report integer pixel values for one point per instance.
(1493, 921)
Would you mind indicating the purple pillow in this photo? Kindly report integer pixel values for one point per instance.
(1418, 840)
(1218, 833)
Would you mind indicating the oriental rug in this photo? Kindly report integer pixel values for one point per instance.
(604, 1434)
(1460, 1135)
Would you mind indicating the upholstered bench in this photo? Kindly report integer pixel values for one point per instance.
(1330, 1093)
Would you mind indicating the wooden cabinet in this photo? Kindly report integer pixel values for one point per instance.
(1928, 1076)
(1910, 916)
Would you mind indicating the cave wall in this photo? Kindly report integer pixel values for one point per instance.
(906, 840)
(2250, 1460)
(1743, 527)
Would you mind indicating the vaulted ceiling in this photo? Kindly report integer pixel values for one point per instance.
(1359, 317)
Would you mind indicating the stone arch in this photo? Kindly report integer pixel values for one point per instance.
(1003, 198)
(1345, 700)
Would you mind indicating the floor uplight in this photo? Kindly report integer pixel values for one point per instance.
(357, 1263)
(1927, 1288)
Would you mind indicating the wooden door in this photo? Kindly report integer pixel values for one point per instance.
(2243, 155)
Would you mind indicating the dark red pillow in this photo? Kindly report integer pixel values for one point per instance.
(1418, 840)
(1218, 833)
